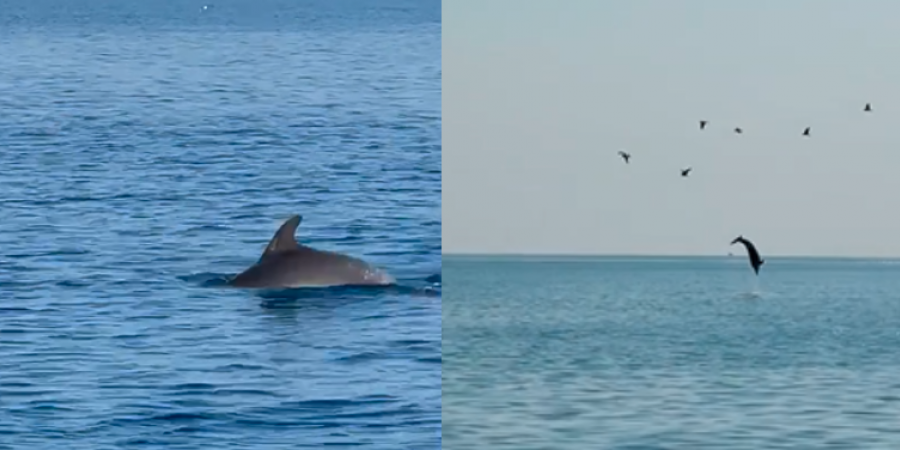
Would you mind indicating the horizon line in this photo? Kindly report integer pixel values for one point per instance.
(655, 255)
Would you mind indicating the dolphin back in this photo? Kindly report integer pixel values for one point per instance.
(308, 267)
(287, 264)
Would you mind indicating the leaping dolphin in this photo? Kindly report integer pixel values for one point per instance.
(287, 264)
(755, 260)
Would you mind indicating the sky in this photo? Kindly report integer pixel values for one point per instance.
(540, 95)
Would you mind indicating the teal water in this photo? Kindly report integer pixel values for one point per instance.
(671, 353)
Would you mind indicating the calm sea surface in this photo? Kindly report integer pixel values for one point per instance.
(149, 150)
(671, 353)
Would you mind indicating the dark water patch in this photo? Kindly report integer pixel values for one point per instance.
(410, 342)
(41, 407)
(430, 360)
(130, 336)
(239, 366)
(193, 387)
(182, 416)
(74, 284)
(374, 317)
(143, 318)
(192, 429)
(13, 384)
(14, 331)
(13, 309)
(361, 357)
(246, 393)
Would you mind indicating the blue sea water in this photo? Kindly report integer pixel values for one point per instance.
(671, 353)
(149, 150)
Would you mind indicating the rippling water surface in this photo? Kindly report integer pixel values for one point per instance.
(671, 353)
(149, 150)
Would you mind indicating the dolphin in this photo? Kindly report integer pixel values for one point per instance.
(287, 264)
(755, 260)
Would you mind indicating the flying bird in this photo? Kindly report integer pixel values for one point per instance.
(738, 130)
(755, 260)
(806, 131)
(868, 107)
(625, 156)
(685, 172)
(702, 124)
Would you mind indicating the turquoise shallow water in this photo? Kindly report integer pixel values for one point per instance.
(671, 353)
(151, 148)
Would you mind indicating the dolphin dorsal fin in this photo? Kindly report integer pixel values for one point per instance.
(284, 238)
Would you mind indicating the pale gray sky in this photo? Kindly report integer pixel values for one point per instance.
(539, 95)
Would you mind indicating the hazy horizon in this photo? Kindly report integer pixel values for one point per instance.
(538, 97)
(737, 253)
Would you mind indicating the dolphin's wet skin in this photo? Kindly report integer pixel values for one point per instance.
(756, 261)
(287, 264)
